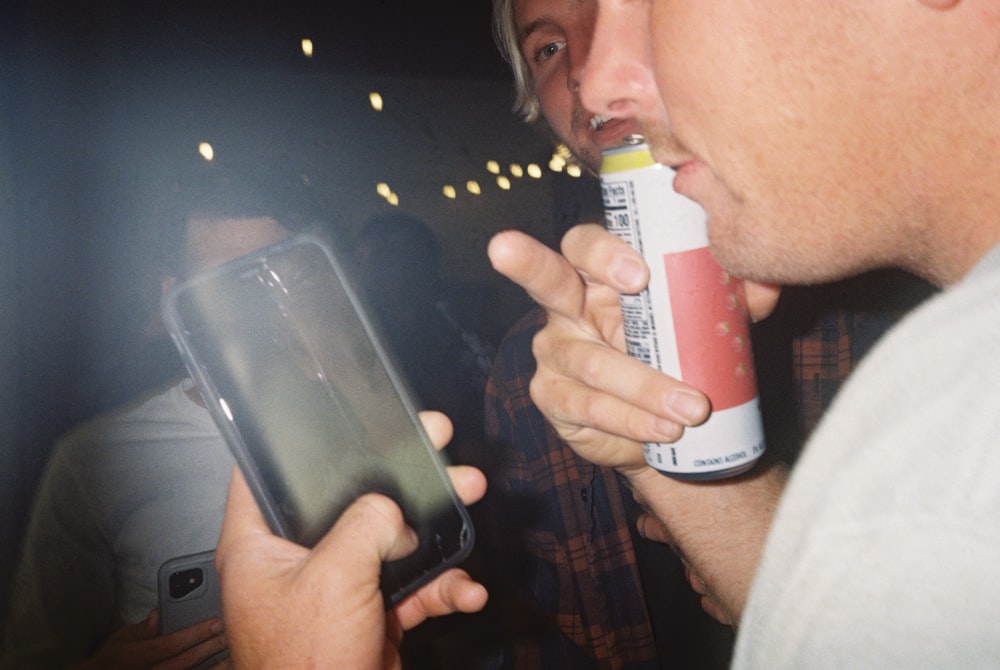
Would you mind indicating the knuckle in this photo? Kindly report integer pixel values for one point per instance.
(590, 361)
(536, 390)
(590, 410)
(372, 504)
(571, 239)
(541, 343)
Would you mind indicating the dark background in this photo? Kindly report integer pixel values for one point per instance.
(102, 101)
(445, 38)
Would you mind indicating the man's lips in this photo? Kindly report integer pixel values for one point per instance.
(611, 131)
(597, 121)
(685, 178)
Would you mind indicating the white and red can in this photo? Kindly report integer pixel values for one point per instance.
(690, 322)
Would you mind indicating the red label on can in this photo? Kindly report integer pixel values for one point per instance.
(710, 324)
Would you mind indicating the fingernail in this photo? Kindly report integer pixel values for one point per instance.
(691, 407)
(668, 430)
(625, 270)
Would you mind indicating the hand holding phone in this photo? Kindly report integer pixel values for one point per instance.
(311, 405)
(282, 597)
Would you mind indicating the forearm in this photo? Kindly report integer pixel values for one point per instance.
(719, 527)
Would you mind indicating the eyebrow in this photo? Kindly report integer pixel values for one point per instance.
(533, 27)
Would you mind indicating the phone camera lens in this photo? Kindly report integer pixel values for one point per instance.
(184, 582)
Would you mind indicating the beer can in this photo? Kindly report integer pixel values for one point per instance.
(690, 322)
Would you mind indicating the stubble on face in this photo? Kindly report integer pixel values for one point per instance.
(797, 133)
(579, 143)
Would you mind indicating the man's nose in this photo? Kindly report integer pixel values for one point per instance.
(618, 78)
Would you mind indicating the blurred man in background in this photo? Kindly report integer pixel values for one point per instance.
(129, 490)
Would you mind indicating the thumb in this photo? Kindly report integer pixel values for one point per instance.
(761, 298)
(370, 531)
(243, 517)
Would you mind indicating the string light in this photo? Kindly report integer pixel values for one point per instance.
(504, 182)
(383, 190)
(563, 152)
(573, 170)
(206, 151)
(307, 47)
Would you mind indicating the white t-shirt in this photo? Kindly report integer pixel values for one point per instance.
(885, 552)
(121, 495)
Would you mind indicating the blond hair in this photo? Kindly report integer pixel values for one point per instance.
(505, 36)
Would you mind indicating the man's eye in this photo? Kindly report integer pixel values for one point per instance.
(550, 50)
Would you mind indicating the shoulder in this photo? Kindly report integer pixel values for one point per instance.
(890, 513)
(166, 417)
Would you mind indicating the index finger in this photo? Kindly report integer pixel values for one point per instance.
(604, 258)
(469, 482)
(548, 278)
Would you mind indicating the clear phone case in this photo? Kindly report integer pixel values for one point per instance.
(311, 404)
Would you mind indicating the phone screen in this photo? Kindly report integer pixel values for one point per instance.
(311, 405)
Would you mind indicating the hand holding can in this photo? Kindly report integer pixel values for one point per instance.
(690, 322)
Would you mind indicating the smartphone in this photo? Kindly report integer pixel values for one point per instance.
(189, 593)
(311, 405)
